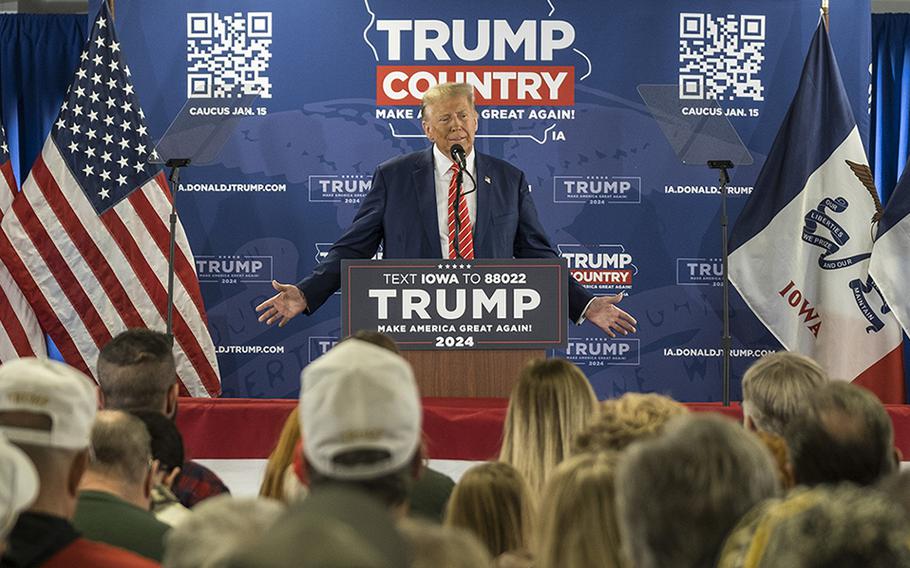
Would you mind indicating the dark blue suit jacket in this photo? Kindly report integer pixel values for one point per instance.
(400, 212)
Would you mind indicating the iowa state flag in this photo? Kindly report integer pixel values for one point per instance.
(890, 264)
(802, 245)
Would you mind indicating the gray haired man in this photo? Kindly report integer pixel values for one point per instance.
(680, 494)
(775, 389)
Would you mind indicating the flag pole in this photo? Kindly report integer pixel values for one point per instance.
(824, 14)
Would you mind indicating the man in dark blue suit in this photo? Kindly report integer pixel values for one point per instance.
(408, 212)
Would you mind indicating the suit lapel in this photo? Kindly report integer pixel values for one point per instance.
(425, 188)
(484, 193)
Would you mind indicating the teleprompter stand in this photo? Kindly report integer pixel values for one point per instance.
(703, 136)
(195, 136)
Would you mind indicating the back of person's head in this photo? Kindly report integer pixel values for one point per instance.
(137, 370)
(47, 409)
(275, 479)
(166, 440)
(841, 526)
(577, 523)
(336, 526)
(217, 528)
(620, 421)
(843, 434)
(121, 450)
(550, 404)
(360, 421)
(493, 501)
(775, 388)
(433, 546)
(681, 492)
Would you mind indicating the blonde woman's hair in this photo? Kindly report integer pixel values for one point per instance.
(551, 403)
(577, 521)
(445, 91)
(281, 458)
(620, 421)
(776, 387)
(492, 501)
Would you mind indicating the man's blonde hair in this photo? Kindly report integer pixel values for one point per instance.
(549, 405)
(621, 421)
(776, 387)
(444, 91)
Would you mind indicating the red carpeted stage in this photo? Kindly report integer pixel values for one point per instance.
(455, 428)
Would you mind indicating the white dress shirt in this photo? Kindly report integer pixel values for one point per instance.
(443, 177)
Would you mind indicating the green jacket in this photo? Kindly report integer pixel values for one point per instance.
(106, 518)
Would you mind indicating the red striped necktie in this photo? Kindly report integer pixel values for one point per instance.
(465, 238)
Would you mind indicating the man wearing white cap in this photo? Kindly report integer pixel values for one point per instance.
(360, 420)
(47, 410)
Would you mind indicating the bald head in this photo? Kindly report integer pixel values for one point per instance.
(122, 448)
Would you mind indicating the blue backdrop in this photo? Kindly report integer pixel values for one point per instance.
(889, 140)
(608, 186)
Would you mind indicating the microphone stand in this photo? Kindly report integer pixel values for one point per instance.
(175, 164)
(723, 166)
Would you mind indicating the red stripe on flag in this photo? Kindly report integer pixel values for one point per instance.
(61, 272)
(86, 246)
(158, 295)
(7, 169)
(161, 235)
(9, 319)
(886, 377)
(48, 319)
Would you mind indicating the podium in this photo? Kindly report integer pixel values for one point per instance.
(466, 326)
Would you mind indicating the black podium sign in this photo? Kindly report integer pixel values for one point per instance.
(449, 304)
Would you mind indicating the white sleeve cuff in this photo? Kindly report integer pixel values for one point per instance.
(581, 318)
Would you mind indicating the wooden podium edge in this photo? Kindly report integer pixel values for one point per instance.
(469, 373)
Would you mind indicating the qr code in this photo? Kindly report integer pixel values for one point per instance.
(228, 55)
(720, 57)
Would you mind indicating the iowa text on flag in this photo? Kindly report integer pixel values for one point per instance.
(89, 228)
(20, 334)
(801, 246)
(890, 263)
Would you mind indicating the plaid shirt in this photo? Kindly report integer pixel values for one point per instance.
(197, 482)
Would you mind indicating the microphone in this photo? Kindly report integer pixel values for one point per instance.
(458, 155)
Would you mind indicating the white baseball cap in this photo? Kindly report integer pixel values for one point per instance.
(18, 483)
(359, 397)
(64, 395)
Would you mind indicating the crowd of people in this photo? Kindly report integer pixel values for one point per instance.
(96, 476)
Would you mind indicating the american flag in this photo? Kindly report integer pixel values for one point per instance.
(89, 229)
(20, 334)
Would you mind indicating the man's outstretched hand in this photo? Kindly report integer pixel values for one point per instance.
(287, 303)
(604, 313)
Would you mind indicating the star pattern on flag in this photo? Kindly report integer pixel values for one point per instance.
(4, 147)
(100, 130)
